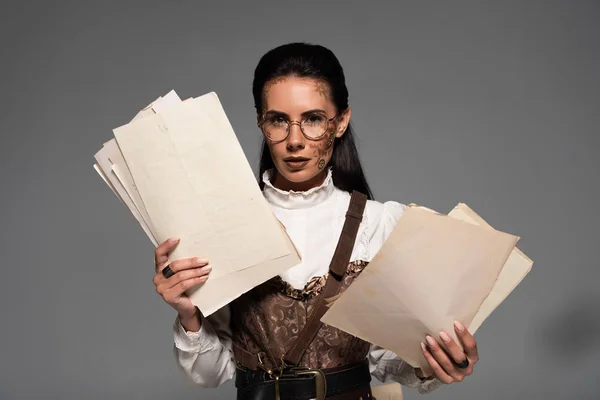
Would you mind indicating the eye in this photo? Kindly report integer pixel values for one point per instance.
(315, 119)
(277, 121)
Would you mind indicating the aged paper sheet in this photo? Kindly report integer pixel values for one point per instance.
(182, 171)
(389, 391)
(432, 270)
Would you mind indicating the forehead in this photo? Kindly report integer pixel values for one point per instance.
(294, 94)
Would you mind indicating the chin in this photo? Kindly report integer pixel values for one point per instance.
(298, 176)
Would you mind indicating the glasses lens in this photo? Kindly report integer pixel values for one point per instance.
(315, 125)
(275, 128)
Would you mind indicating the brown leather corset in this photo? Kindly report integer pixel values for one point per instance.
(267, 320)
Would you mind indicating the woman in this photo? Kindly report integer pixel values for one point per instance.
(308, 171)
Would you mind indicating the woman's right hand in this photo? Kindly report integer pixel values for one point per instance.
(189, 272)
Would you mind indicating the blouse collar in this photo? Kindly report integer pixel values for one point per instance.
(296, 200)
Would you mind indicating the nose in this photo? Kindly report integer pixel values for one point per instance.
(295, 139)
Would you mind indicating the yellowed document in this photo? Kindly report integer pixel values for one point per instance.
(158, 105)
(514, 271)
(102, 174)
(120, 170)
(113, 167)
(104, 165)
(389, 391)
(433, 269)
(195, 182)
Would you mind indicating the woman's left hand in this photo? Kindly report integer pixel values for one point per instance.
(455, 364)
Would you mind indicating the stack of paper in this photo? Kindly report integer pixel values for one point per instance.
(181, 171)
(433, 269)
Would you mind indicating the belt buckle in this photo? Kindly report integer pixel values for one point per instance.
(320, 381)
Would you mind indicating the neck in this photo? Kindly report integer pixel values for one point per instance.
(280, 182)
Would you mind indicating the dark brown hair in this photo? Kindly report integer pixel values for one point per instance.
(313, 61)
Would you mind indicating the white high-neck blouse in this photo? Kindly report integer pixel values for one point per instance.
(313, 220)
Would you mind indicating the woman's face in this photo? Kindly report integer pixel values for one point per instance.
(300, 162)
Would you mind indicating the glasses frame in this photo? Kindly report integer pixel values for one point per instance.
(289, 128)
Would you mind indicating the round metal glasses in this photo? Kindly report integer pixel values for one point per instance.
(277, 127)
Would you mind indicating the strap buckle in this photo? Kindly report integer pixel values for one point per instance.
(320, 381)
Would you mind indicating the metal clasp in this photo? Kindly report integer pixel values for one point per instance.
(261, 364)
(274, 374)
(275, 377)
(320, 382)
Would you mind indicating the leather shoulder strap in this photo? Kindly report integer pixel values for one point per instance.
(337, 269)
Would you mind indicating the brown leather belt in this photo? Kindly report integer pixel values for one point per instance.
(340, 383)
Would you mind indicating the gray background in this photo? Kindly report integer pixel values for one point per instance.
(495, 104)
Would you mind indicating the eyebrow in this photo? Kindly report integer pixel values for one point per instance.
(304, 114)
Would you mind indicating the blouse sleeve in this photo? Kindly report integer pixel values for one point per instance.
(381, 220)
(206, 357)
(387, 367)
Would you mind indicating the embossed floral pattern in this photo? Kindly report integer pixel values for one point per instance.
(275, 313)
(315, 285)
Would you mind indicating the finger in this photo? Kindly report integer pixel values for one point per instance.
(455, 352)
(438, 371)
(180, 288)
(443, 359)
(187, 263)
(198, 267)
(187, 274)
(468, 341)
(161, 253)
